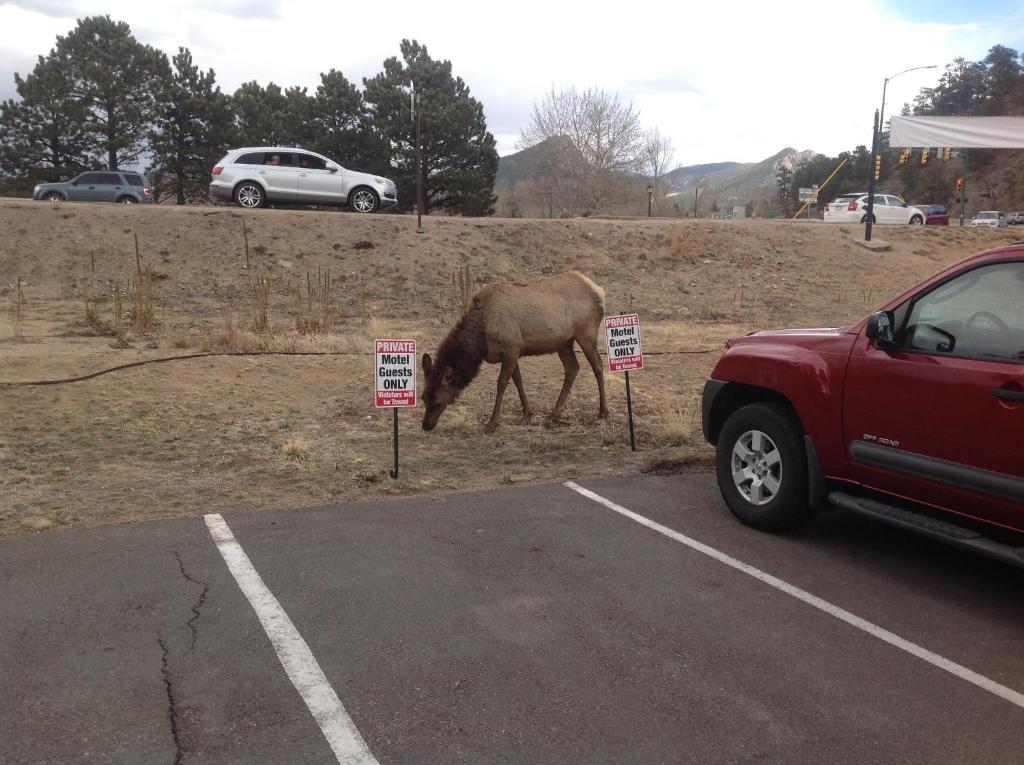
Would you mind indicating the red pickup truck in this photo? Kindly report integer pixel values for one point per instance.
(914, 415)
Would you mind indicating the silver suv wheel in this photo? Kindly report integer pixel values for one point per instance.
(364, 201)
(756, 467)
(249, 195)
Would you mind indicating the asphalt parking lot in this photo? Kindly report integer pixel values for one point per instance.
(528, 625)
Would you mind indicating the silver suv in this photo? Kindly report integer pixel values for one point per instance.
(253, 176)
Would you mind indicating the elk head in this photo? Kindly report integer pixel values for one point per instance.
(438, 391)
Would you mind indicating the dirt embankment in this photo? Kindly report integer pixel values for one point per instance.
(225, 433)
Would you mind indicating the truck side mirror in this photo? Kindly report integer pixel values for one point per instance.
(881, 328)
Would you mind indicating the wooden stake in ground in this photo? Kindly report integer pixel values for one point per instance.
(142, 289)
(19, 301)
(245, 238)
(89, 293)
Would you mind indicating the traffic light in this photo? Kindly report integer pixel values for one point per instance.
(947, 153)
(924, 156)
(959, 184)
(878, 167)
(904, 156)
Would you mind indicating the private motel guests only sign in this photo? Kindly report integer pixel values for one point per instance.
(623, 336)
(396, 373)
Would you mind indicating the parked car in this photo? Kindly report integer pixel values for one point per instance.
(253, 176)
(934, 215)
(853, 208)
(912, 416)
(1015, 219)
(991, 218)
(98, 186)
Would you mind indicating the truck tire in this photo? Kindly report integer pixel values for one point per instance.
(762, 467)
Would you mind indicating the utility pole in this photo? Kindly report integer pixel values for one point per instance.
(876, 140)
(963, 191)
(417, 115)
(871, 179)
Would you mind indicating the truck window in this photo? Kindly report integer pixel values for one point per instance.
(979, 314)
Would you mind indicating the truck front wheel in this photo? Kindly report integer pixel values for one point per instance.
(762, 467)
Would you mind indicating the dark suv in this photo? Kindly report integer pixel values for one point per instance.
(98, 186)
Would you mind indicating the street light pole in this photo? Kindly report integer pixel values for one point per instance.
(876, 139)
(414, 114)
(870, 218)
(419, 166)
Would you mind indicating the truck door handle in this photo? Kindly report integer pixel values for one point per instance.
(1008, 395)
(303, 175)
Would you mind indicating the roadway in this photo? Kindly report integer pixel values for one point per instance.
(528, 625)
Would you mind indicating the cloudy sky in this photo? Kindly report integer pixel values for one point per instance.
(727, 81)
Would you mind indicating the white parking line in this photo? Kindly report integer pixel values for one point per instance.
(296, 658)
(1014, 697)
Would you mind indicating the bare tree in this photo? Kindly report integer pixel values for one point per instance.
(657, 157)
(601, 140)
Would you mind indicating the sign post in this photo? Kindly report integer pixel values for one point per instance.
(810, 196)
(395, 381)
(625, 353)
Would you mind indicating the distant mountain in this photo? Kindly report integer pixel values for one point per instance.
(732, 183)
(700, 170)
(513, 168)
(727, 183)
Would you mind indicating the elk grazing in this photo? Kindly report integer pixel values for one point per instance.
(507, 321)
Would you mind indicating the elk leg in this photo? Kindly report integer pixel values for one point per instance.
(508, 365)
(517, 378)
(572, 367)
(590, 351)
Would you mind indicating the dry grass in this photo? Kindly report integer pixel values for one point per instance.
(314, 314)
(242, 432)
(17, 308)
(297, 448)
(259, 300)
(119, 329)
(462, 281)
(678, 422)
(92, 316)
(143, 291)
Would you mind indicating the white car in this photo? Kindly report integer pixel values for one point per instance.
(253, 176)
(853, 208)
(992, 218)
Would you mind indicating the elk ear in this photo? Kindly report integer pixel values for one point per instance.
(426, 363)
(446, 378)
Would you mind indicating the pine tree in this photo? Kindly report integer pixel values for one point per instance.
(459, 156)
(1005, 78)
(113, 77)
(342, 127)
(783, 178)
(191, 131)
(261, 115)
(961, 91)
(43, 137)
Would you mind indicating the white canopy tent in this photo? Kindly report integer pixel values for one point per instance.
(957, 132)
